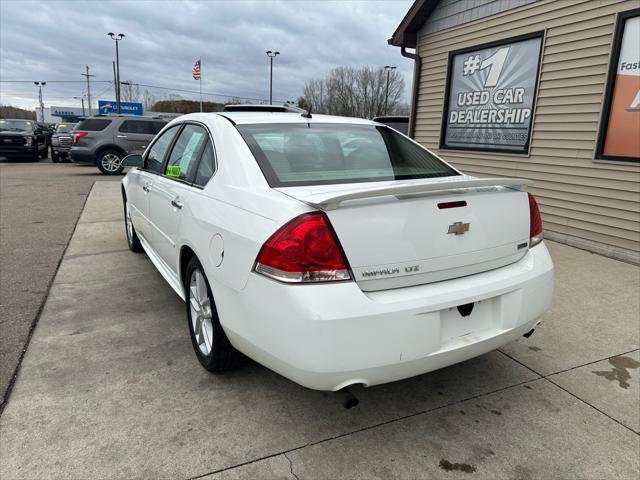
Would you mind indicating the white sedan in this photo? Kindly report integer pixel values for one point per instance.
(334, 251)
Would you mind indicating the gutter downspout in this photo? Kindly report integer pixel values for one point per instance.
(417, 64)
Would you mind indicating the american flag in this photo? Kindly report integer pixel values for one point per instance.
(196, 71)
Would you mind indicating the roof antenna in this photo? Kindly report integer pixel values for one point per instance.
(307, 114)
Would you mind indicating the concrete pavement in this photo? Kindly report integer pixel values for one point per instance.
(39, 206)
(110, 387)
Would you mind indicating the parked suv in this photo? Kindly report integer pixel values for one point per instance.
(61, 142)
(22, 139)
(105, 141)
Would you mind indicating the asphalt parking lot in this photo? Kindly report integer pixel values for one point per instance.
(110, 388)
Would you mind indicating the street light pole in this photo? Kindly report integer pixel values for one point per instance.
(271, 56)
(82, 101)
(40, 85)
(88, 88)
(117, 38)
(388, 69)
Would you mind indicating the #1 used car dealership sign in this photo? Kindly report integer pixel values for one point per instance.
(490, 95)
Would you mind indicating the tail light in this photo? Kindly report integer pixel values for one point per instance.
(304, 250)
(535, 232)
(78, 135)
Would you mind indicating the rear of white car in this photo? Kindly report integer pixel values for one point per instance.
(383, 280)
(339, 251)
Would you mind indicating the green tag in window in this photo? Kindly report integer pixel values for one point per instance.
(173, 170)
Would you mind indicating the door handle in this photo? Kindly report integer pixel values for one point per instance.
(121, 136)
(176, 204)
(146, 188)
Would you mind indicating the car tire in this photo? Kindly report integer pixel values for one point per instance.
(110, 162)
(132, 237)
(42, 154)
(54, 157)
(35, 157)
(211, 345)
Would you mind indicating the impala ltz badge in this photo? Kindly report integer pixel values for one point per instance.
(458, 228)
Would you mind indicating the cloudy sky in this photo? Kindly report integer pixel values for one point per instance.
(53, 40)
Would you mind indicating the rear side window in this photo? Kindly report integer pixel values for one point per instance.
(323, 154)
(185, 152)
(141, 126)
(94, 124)
(206, 167)
(158, 150)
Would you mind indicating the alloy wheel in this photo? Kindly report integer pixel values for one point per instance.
(111, 162)
(129, 225)
(201, 313)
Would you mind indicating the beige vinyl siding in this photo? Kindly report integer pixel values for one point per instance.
(580, 197)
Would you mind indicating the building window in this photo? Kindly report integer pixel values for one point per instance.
(490, 95)
(619, 137)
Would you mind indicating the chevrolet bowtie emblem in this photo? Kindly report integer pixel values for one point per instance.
(458, 228)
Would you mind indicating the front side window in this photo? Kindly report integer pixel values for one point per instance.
(158, 150)
(185, 152)
(323, 154)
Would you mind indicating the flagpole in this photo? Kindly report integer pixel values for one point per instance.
(200, 84)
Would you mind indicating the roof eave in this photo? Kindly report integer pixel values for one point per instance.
(406, 35)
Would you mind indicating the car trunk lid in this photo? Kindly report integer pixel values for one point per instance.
(403, 233)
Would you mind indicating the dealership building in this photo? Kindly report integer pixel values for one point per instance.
(547, 90)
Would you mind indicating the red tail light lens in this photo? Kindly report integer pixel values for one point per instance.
(535, 231)
(304, 250)
(78, 135)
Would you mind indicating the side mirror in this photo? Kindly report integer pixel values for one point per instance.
(133, 160)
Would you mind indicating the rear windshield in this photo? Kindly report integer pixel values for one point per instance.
(93, 124)
(323, 154)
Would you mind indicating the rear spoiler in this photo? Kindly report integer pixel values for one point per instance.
(329, 201)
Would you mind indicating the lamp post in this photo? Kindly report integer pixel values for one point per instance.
(81, 101)
(388, 69)
(117, 38)
(271, 56)
(40, 85)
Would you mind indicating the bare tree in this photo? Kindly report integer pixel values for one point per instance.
(148, 99)
(355, 92)
(130, 91)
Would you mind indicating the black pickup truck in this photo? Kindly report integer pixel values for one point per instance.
(22, 139)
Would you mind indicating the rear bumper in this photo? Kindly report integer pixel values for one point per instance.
(80, 156)
(329, 336)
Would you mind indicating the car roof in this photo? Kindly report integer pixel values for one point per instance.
(244, 118)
